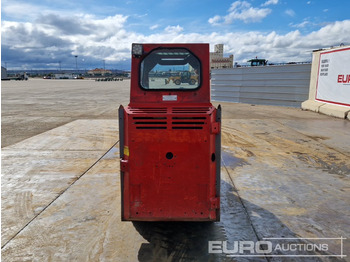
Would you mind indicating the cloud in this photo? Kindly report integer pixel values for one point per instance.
(153, 27)
(300, 25)
(290, 12)
(270, 2)
(67, 25)
(17, 10)
(20, 10)
(215, 20)
(330, 35)
(52, 37)
(242, 10)
(173, 29)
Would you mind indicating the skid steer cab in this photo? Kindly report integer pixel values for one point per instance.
(170, 137)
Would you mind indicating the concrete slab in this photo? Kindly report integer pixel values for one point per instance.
(87, 135)
(38, 105)
(330, 132)
(246, 111)
(81, 226)
(24, 128)
(335, 110)
(285, 173)
(282, 177)
(37, 170)
(311, 105)
(32, 180)
(271, 173)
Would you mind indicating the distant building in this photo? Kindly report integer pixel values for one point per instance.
(217, 59)
(3, 73)
(99, 72)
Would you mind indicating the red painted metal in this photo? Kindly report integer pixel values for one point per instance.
(169, 151)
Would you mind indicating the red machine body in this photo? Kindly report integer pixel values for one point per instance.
(170, 137)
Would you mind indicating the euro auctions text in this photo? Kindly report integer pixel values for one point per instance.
(278, 247)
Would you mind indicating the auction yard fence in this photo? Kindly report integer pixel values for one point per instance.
(280, 85)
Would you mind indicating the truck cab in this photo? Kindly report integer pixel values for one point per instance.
(170, 137)
(257, 62)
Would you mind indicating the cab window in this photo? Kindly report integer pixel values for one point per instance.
(170, 69)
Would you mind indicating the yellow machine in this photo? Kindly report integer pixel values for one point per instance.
(183, 77)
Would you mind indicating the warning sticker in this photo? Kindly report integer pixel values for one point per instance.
(126, 150)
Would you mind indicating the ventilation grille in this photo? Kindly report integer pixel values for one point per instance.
(188, 122)
(148, 122)
(159, 118)
(150, 110)
(190, 110)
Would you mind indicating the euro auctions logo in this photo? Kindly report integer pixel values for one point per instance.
(279, 247)
(240, 247)
(343, 79)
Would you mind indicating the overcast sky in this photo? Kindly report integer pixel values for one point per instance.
(45, 34)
